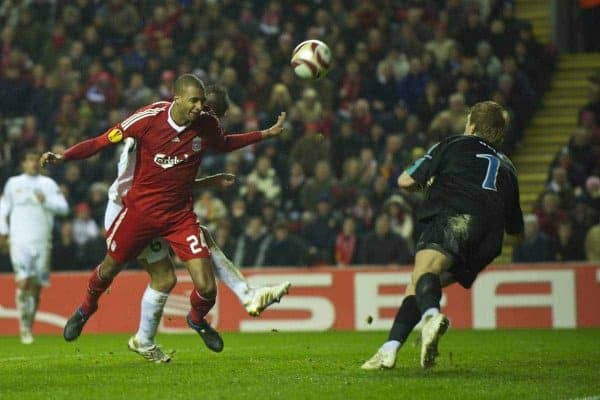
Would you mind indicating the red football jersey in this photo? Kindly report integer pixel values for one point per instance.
(168, 155)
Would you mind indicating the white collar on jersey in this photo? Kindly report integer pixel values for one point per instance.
(178, 128)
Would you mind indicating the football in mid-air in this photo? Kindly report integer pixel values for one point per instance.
(311, 59)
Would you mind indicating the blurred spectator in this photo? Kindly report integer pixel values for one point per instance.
(97, 200)
(471, 34)
(412, 86)
(560, 185)
(384, 247)
(238, 217)
(487, 62)
(536, 246)
(347, 244)
(320, 232)
(65, 250)
(292, 191)
(592, 244)
(351, 184)
(265, 179)
(592, 193)
(285, 249)
(210, 209)
(319, 186)
(549, 214)
(345, 145)
(137, 93)
(84, 227)
(251, 247)
(253, 198)
(440, 45)
(363, 212)
(400, 217)
(569, 246)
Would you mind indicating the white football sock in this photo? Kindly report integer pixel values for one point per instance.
(391, 345)
(26, 304)
(230, 275)
(430, 312)
(153, 303)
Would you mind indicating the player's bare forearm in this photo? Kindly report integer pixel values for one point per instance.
(218, 181)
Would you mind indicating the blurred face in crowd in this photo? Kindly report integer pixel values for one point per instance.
(531, 228)
(66, 230)
(255, 227)
(263, 166)
(72, 173)
(559, 176)
(160, 15)
(349, 227)
(415, 66)
(323, 207)
(30, 164)
(361, 108)
(352, 168)
(497, 27)
(550, 203)
(380, 185)
(296, 169)
(564, 230)
(393, 143)
(382, 226)
(581, 137)
(281, 232)
(366, 156)
(238, 208)
(322, 171)
(457, 103)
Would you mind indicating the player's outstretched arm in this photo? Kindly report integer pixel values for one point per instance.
(231, 142)
(81, 150)
(218, 181)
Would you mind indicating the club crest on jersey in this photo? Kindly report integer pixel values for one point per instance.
(115, 135)
(196, 144)
(165, 161)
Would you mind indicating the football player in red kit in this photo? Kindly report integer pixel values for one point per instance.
(171, 139)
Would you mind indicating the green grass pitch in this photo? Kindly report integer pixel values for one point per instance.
(504, 364)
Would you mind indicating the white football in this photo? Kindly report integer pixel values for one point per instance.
(311, 59)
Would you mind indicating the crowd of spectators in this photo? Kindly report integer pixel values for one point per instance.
(404, 74)
(565, 225)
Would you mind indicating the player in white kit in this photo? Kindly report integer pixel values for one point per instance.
(156, 260)
(27, 208)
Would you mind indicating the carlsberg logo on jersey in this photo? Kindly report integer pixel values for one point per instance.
(166, 161)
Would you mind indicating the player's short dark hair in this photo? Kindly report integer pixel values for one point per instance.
(29, 152)
(217, 99)
(186, 80)
(490, 123)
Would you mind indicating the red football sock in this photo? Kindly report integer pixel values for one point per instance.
(96, 286)
(200, 306)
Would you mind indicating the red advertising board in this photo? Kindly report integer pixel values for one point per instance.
(523, 296)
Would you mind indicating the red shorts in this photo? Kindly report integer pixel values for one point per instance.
(133, 230)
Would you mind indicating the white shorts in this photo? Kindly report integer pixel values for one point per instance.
(31, 262)
(156, 251)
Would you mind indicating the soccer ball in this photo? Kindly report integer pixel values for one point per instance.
(311, 59)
